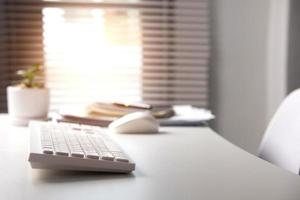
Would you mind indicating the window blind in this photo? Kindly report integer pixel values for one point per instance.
(155, 51)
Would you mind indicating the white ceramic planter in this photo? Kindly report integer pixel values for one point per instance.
(25, 104)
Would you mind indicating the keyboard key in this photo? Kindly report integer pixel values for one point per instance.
(120, 156)
(122, 159)
(62, 153)
(106, 156)
(47, 150)
(92, 156)
(78, 154)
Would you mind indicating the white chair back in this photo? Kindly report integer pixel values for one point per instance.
(281, 142)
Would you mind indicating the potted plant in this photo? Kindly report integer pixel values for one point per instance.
(29, 99)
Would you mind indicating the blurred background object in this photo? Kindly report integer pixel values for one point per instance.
(238, 59)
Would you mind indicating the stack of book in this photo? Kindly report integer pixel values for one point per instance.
(102, 114)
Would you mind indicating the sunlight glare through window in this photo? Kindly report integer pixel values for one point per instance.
(92, 55)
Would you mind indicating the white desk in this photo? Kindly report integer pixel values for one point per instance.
(178, 163)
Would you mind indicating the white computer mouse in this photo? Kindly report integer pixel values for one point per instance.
(138, 122)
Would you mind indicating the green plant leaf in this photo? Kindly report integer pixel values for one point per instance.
(32, 77)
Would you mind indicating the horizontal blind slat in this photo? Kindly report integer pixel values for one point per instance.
(113, 4)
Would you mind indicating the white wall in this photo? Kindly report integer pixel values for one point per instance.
(277, 55)
(243, 72)
(294, 46)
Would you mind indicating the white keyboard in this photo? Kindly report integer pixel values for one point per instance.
(67, 146)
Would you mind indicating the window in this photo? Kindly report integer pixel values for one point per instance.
(155, 51)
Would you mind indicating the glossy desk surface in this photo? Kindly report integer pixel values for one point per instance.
(176, 164)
